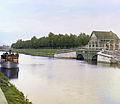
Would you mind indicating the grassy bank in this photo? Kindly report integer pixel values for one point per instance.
(13, 96)
(42, 52)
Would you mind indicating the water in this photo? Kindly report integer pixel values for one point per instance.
(62, 81)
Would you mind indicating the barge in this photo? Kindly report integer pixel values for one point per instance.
(9, 60)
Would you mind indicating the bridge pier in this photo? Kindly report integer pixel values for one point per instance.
(106, 58)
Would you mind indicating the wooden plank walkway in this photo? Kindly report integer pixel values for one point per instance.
(2, 98)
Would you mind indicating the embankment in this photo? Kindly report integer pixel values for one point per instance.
(42, 52)
(11, 93)
(70, 55)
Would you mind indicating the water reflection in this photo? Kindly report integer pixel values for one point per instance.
(108, 65)
(10, 73)
(93, 62)
(63, 81)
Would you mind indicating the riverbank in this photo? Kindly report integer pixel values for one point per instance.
(43, 52)
(11, 93)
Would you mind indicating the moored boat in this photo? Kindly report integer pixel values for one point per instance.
(9, 60)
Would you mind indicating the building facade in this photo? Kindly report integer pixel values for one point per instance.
(104, 40)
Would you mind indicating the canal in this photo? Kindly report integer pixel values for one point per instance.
(65, 81)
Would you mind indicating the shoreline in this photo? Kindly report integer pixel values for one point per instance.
(42, 52)
(36, 52)
(12, 94)
(36, 55)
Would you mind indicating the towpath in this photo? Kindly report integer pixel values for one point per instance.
(2, 98)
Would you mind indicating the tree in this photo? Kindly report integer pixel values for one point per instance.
(53, 41)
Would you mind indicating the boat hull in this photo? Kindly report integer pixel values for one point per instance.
(9, 65)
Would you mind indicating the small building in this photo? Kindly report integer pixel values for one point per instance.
(104, 40)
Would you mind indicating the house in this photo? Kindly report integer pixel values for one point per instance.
(104, 40)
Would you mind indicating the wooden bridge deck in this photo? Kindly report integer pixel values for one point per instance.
(2, 98)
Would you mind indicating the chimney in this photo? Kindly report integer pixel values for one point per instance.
(111, 32)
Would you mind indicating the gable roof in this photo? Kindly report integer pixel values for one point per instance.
(105, 35)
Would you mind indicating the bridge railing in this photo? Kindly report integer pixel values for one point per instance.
(78, 49)
(115, 53)
(91, 49)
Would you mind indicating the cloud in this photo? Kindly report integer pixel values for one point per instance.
(25, 18)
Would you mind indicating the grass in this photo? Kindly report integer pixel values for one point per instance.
(12, 95)
(43, 52)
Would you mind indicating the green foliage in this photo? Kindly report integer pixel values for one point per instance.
(43, 52)
(53, 41)
(4, 47)
(13, 96)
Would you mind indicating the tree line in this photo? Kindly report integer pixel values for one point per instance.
(53, 41)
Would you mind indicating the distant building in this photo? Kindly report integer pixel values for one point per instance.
(104, 40)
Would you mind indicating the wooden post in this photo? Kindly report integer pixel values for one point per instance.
(114, 45)
(109, 45)
(105, 46)
(98, 43)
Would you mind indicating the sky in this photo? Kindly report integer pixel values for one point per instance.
(23, 19)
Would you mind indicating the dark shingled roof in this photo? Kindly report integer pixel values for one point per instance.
(105, 35)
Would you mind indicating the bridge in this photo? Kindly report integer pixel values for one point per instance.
(87, 55)
(98, 55)
(80, 54)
